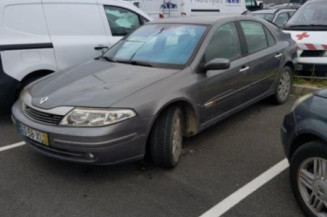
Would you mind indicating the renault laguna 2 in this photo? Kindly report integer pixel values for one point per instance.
(167, 80)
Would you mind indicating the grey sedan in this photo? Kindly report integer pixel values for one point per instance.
(167, 80)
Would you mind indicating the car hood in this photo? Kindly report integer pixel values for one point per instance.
(97, 83)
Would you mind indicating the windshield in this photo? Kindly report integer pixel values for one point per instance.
(158, 44)
(266, 16)
(310, 14)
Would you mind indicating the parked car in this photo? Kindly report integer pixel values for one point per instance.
(305, 144)
(38, 37)
(308, 28)
(277, 16)
(166, 80)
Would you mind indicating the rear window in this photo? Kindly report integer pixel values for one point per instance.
(265, 16)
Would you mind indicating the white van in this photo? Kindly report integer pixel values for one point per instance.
(175, 8)
(38, 37)
(308, 27)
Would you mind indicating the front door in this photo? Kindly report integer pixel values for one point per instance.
(221, 90)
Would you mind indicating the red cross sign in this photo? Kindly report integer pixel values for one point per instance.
(302, 36)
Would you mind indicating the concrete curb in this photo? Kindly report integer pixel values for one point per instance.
(300, 90)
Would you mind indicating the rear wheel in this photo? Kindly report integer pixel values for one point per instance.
(308, 173)
(283, 89)
(167, 138)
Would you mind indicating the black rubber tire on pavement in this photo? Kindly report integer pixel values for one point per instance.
(277, 97)
(308, 150)
(161, 141)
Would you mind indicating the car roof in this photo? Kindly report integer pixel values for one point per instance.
(272, 11)
(265, 11)
(204, 20)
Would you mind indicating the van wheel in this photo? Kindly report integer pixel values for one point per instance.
(167, 138)
(308, 174)
(283, 89)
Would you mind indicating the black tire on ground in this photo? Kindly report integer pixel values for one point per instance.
(164, 152)
(308, 150)
(282, 92)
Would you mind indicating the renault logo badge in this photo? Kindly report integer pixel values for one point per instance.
(43, 100)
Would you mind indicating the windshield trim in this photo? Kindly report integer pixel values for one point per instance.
(170, 65)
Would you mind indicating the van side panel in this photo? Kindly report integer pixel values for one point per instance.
(24, 38)
(25, 46)
(75, 30)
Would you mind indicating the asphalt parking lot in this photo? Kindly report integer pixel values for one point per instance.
(215, 163)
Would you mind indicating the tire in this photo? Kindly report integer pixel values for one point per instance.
(284, 85)
(303, 161)
(167, 138)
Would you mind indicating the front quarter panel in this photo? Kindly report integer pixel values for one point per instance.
(149, 102)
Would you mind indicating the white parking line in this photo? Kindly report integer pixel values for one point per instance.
(18, 144)
(246, 190)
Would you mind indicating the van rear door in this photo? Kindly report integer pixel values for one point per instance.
(75, 30)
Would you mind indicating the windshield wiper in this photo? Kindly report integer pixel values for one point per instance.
(108, 59)
(309, 25)
(138, 63)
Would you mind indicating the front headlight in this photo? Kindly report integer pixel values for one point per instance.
(301, 100)
(87, 117)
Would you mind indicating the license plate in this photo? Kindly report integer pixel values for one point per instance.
(34, 134)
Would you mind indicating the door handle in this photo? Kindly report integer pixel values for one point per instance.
(244, 68)
(278, 55)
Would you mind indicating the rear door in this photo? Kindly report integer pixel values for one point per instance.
(75, 29)
(264, 54)
(222, 90)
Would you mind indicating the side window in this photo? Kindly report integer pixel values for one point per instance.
(270, 37)
(224, 43)
(255, 35)
(281, 19)
(121, 20)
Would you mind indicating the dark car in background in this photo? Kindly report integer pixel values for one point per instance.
(277, 16)
(167, 80)
(305, 144)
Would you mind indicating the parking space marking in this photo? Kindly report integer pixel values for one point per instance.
(246, 190)
(18, 144)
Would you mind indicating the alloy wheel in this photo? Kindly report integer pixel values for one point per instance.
(312, 183)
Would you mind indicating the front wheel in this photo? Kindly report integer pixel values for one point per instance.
(308, 174)
(283, 89)
(167, 138)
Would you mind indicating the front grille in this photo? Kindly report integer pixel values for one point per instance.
(43, 117)
(312, 53)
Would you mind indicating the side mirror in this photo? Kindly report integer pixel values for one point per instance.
(217, 64)
(102, 48)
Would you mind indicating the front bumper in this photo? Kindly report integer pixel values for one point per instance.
(288, 133)
(117, 143)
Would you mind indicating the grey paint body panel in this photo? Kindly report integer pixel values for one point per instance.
(148, 91)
